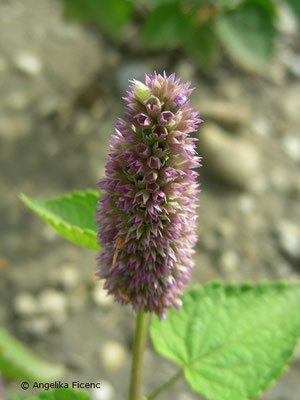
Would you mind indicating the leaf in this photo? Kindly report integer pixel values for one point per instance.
(17, 361)
(72, 216)
(61, 394)
(201, 45)
(248, 33)
(295, 6)
(112, 15)
(167, 27)
(231, 341)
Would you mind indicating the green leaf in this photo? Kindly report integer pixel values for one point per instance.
(201, 45)
(17, 361)
(231, 341)
(167, 27)
(61, 394)
(72, 216)
(295, 6)
(248, 33)
(112, 15)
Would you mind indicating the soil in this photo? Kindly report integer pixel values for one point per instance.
(61, 88)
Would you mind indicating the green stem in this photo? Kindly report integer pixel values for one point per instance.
(138, 354)
(165, 386)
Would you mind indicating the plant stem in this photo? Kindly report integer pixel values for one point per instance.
(138, 354)
(165, 386)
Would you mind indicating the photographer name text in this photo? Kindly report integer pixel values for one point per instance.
(62, 385)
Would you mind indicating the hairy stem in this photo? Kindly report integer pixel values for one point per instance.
(138, 354)
(165, 386)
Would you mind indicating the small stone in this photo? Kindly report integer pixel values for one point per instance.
(261, 126)
(48, 233)
(83, 124)
(17, 101)
(113, 355)
(53, 304)
(106, 392)
(52, 300)
(229, 261)
(77, 298)
(250, 250)
(279, 179)
(259, 184)
(246, 204)
(14, 127)
(276, 73)
(291, 103)
(230, 115)
(225, 228)
(25, 304)
(28, 63)
(234, 161)
(291, 146)
(289, 238)
(99, 109)
(51, 105)
(285, 271)
(100, 296)
(38, 326)
(69, 276)
(208, 242)
(230, 88)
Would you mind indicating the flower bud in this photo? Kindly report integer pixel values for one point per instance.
(141, 91)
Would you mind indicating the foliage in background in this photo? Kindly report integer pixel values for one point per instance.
(246, 29)
(17, 361)
(72, 216)
(57, 394)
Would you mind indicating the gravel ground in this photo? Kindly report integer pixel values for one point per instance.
(61, 90)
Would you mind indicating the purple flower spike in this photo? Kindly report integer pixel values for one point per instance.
(147, 213)
(160, 133)
(154, 163)
(165, 118)
(181, 99)
(142, 120)
(153, 106)
(142, 150)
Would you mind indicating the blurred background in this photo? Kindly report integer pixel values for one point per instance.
(63, 69)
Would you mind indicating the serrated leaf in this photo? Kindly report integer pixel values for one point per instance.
(248, 33)
(201, 45)
(112, 15)
(167, 27)
(17, 361)
(295, 6)
(72, 216)
(231, 341)
(61, 394)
